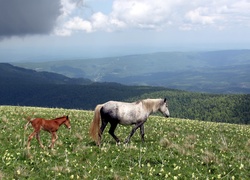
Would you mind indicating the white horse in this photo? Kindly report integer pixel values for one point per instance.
(115, 113)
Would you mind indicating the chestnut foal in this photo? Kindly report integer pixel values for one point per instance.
(48, 125)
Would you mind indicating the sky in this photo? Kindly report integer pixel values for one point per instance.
(47, 30)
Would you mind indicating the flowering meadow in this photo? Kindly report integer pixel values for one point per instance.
(173, 149)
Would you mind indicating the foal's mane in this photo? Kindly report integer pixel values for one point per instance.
(152, 104)
(60, 118)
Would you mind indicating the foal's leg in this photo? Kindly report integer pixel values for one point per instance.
(112, 131)
(133, 131)
(29, 139)
(38, 139)
(53, 140)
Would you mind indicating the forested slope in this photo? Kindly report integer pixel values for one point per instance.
(72, 94)
(207, 107)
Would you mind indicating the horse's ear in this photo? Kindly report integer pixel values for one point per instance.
(67, 117)
(165, 100)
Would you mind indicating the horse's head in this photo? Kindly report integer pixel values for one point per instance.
(164, 108)
(67, 122)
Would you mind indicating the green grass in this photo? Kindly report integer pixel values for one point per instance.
(173, 148)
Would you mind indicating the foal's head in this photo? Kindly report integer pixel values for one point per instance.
(67, 122)
(164, 108)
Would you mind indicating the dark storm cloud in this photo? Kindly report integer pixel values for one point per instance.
(28, 17)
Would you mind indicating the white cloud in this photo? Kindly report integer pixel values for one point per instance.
(118, 23)
(99, 20)
(67, 7)
(158, 15)
(237, 13)
(220, 15)
(202, 16)
(241, 6)
(76, 23)
(143, 14)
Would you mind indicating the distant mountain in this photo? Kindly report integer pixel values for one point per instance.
(214, 71)
(17, 75)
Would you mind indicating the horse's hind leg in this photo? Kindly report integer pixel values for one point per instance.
(103, 126)
(112, 131)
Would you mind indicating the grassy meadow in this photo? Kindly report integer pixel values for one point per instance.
(174, 149)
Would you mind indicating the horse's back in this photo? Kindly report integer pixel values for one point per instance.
(125, 113)
(119, 107)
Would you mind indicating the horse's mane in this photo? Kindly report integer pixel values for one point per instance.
(152, 104)
(137, 102)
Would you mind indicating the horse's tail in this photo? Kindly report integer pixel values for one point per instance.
(94, 129)
(29, 121)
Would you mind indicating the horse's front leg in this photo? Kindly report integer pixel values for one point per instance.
(53, 139)
(133, 131)
(142, 132)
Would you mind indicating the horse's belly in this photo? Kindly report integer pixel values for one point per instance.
(126, 122)
(129, 120)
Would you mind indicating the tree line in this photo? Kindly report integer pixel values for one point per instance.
(206, 107)
(233, 108)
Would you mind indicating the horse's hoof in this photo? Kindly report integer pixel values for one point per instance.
(118, 143)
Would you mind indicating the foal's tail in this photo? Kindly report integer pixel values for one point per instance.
(29, 121)
(94, 129)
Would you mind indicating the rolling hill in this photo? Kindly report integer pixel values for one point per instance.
(213, 72)
(16, 75)
(20, 86)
